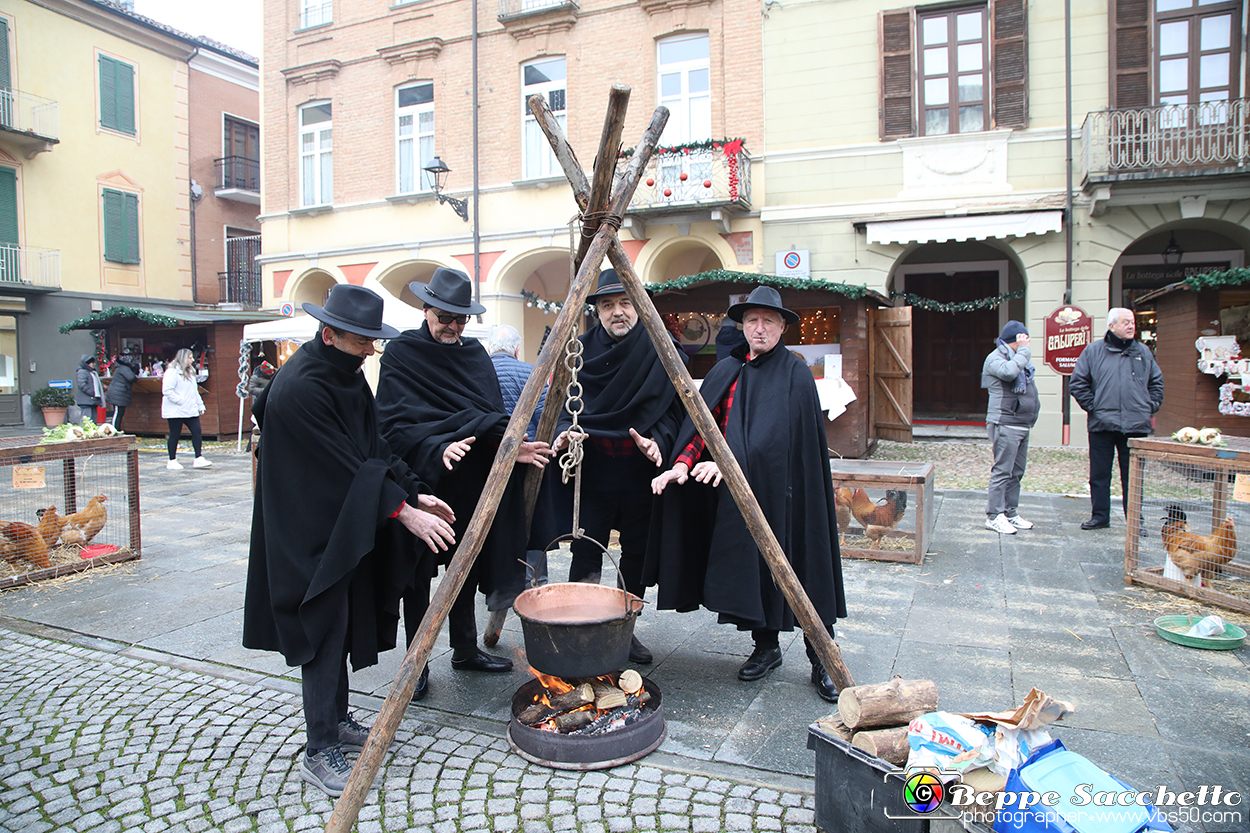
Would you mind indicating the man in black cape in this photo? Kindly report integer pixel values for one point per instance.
(326, 561)
(442, 412)
(631, 415)
(764, 399)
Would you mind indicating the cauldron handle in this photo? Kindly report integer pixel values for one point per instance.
(620, 580)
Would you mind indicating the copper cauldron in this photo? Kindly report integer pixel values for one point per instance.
(573, 629)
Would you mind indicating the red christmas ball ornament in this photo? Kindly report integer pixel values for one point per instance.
(707, 183)
(668, 192)
(684, 176)
(650, 182)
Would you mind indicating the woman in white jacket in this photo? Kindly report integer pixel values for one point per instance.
(181, 405)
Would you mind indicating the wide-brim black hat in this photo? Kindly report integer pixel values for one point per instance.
(354, 309)
(449, 290)
(762, 297)
(609, 284)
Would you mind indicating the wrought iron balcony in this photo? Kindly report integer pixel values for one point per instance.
(238, 178)
(240, 287)
(316, 14)
(675, 181)
(28, 121)
(512, 9)
(1208, 138)
(25, 267)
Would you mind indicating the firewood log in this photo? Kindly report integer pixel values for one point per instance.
(889, 745)
(833, 725)
(573, 720)
(560, 703)
(886, 704)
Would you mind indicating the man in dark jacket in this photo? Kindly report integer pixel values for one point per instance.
(1119, 385)
(121, 386)
(764, 399)
(326, 562)
(631, 415)
(442, 412)
(1008, 375)
(88, 391)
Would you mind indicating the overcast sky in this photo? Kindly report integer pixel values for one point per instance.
(233, 22)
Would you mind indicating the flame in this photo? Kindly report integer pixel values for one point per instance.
(553, 686)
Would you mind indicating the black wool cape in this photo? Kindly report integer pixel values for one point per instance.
(701, 551)
(326, 485)
(431, 395)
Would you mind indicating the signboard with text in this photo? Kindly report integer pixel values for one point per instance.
(795, 263)
(1068, 330)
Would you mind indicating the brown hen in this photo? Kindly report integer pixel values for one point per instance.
(878, 518)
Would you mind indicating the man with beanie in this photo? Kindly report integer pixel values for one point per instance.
(1119, 385)
(1008, 375)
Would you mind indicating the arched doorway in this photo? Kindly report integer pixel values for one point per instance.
(950, 346)
(542, 275)
(312, 287)
(395, 280)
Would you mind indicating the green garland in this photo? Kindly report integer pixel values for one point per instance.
(848, 290)
(957, 306)
(684, 147)
(120, 312)
(1214, 280)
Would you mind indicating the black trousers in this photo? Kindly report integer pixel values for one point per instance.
(461, 619)
(620, 499)
(175, 431)
(118, 412)
(324, 683)
(1103, 446)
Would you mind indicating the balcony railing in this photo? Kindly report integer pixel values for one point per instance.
(240, 287)
(1169, 140)
(29, 115)
(509, 9)
(710, 178)
(316, 14)
(238, 178)
(25, 266)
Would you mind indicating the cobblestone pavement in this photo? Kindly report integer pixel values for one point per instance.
(98, 740)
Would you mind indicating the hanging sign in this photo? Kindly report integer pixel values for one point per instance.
(795, 263)
(28, 477)
(1069, 330)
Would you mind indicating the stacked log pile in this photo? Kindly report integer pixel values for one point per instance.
(875, 717)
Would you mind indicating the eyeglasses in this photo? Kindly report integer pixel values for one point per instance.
(448, 318)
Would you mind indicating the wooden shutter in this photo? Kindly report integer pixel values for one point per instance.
(108, 93)
(6, 79)
(890, 364)
(117, 95)
(8, 207)
(897, 76)
(132, 227)
(114, 226)
(1010, 63)
(1130, 54)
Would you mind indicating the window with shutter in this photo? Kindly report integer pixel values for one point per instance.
(1130, 53)
(8, 207)
(897, 77)
(1010, 64)
(117, 95)
(121, 227)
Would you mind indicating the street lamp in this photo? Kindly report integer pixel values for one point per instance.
(438, 170)
(1172, 252)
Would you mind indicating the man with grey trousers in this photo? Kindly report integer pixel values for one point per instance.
(1008, 375)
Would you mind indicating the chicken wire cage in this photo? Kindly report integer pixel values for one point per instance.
(1188, 506)
(885, 509)
(66, 507)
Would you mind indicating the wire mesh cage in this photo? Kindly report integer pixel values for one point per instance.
(885, 509)
(66, 507)
(1187, 508)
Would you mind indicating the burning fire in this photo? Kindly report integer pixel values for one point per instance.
(600, 705)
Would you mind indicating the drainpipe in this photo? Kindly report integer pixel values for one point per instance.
(477, 235)
(196, 194)
(1067, 207)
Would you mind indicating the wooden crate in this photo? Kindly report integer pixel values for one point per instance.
(1196, 483)
(906, 541)
(67, 475)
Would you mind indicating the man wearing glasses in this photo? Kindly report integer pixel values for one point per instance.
(441, 409)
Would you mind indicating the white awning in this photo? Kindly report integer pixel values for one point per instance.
(969, 227)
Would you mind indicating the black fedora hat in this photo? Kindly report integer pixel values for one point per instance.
(762, 297)
(354, 309)
(609, 284)
(449, 290)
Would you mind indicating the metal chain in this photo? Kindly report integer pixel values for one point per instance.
(571, 462)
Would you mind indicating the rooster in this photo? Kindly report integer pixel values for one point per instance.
(842, 504)
(80, 527)
(1197, 555)
(25, 542)
(878, 518)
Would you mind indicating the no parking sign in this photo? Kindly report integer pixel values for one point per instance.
(288, 309)
(795, 263)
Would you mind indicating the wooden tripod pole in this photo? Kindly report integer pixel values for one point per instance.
(347, 808)
(778, 565)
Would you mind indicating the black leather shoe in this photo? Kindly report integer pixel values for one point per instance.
(1093, 524)
(759, 664)
(638, 652)
(423, 684)
(479, 660)
(824, 686)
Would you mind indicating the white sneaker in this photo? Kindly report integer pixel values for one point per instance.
(1019, 522)
(174, 465)
(1000, 524)
(201, 463)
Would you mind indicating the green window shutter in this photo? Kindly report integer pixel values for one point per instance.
(8, 207)
(108, 93)
(132, 228)
(6, 79)
(114, 226)
(126, 99)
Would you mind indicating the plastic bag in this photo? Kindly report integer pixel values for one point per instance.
(1210, 626)
(948, 741)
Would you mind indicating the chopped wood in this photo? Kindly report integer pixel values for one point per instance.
(889, 745)
(573, 699)
(630, 681)
(573, 720)
(535, 713)
(833, 725)
(886, 704)
(610, 699)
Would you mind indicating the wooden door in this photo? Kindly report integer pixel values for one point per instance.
(954, 344)
(890, 368)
